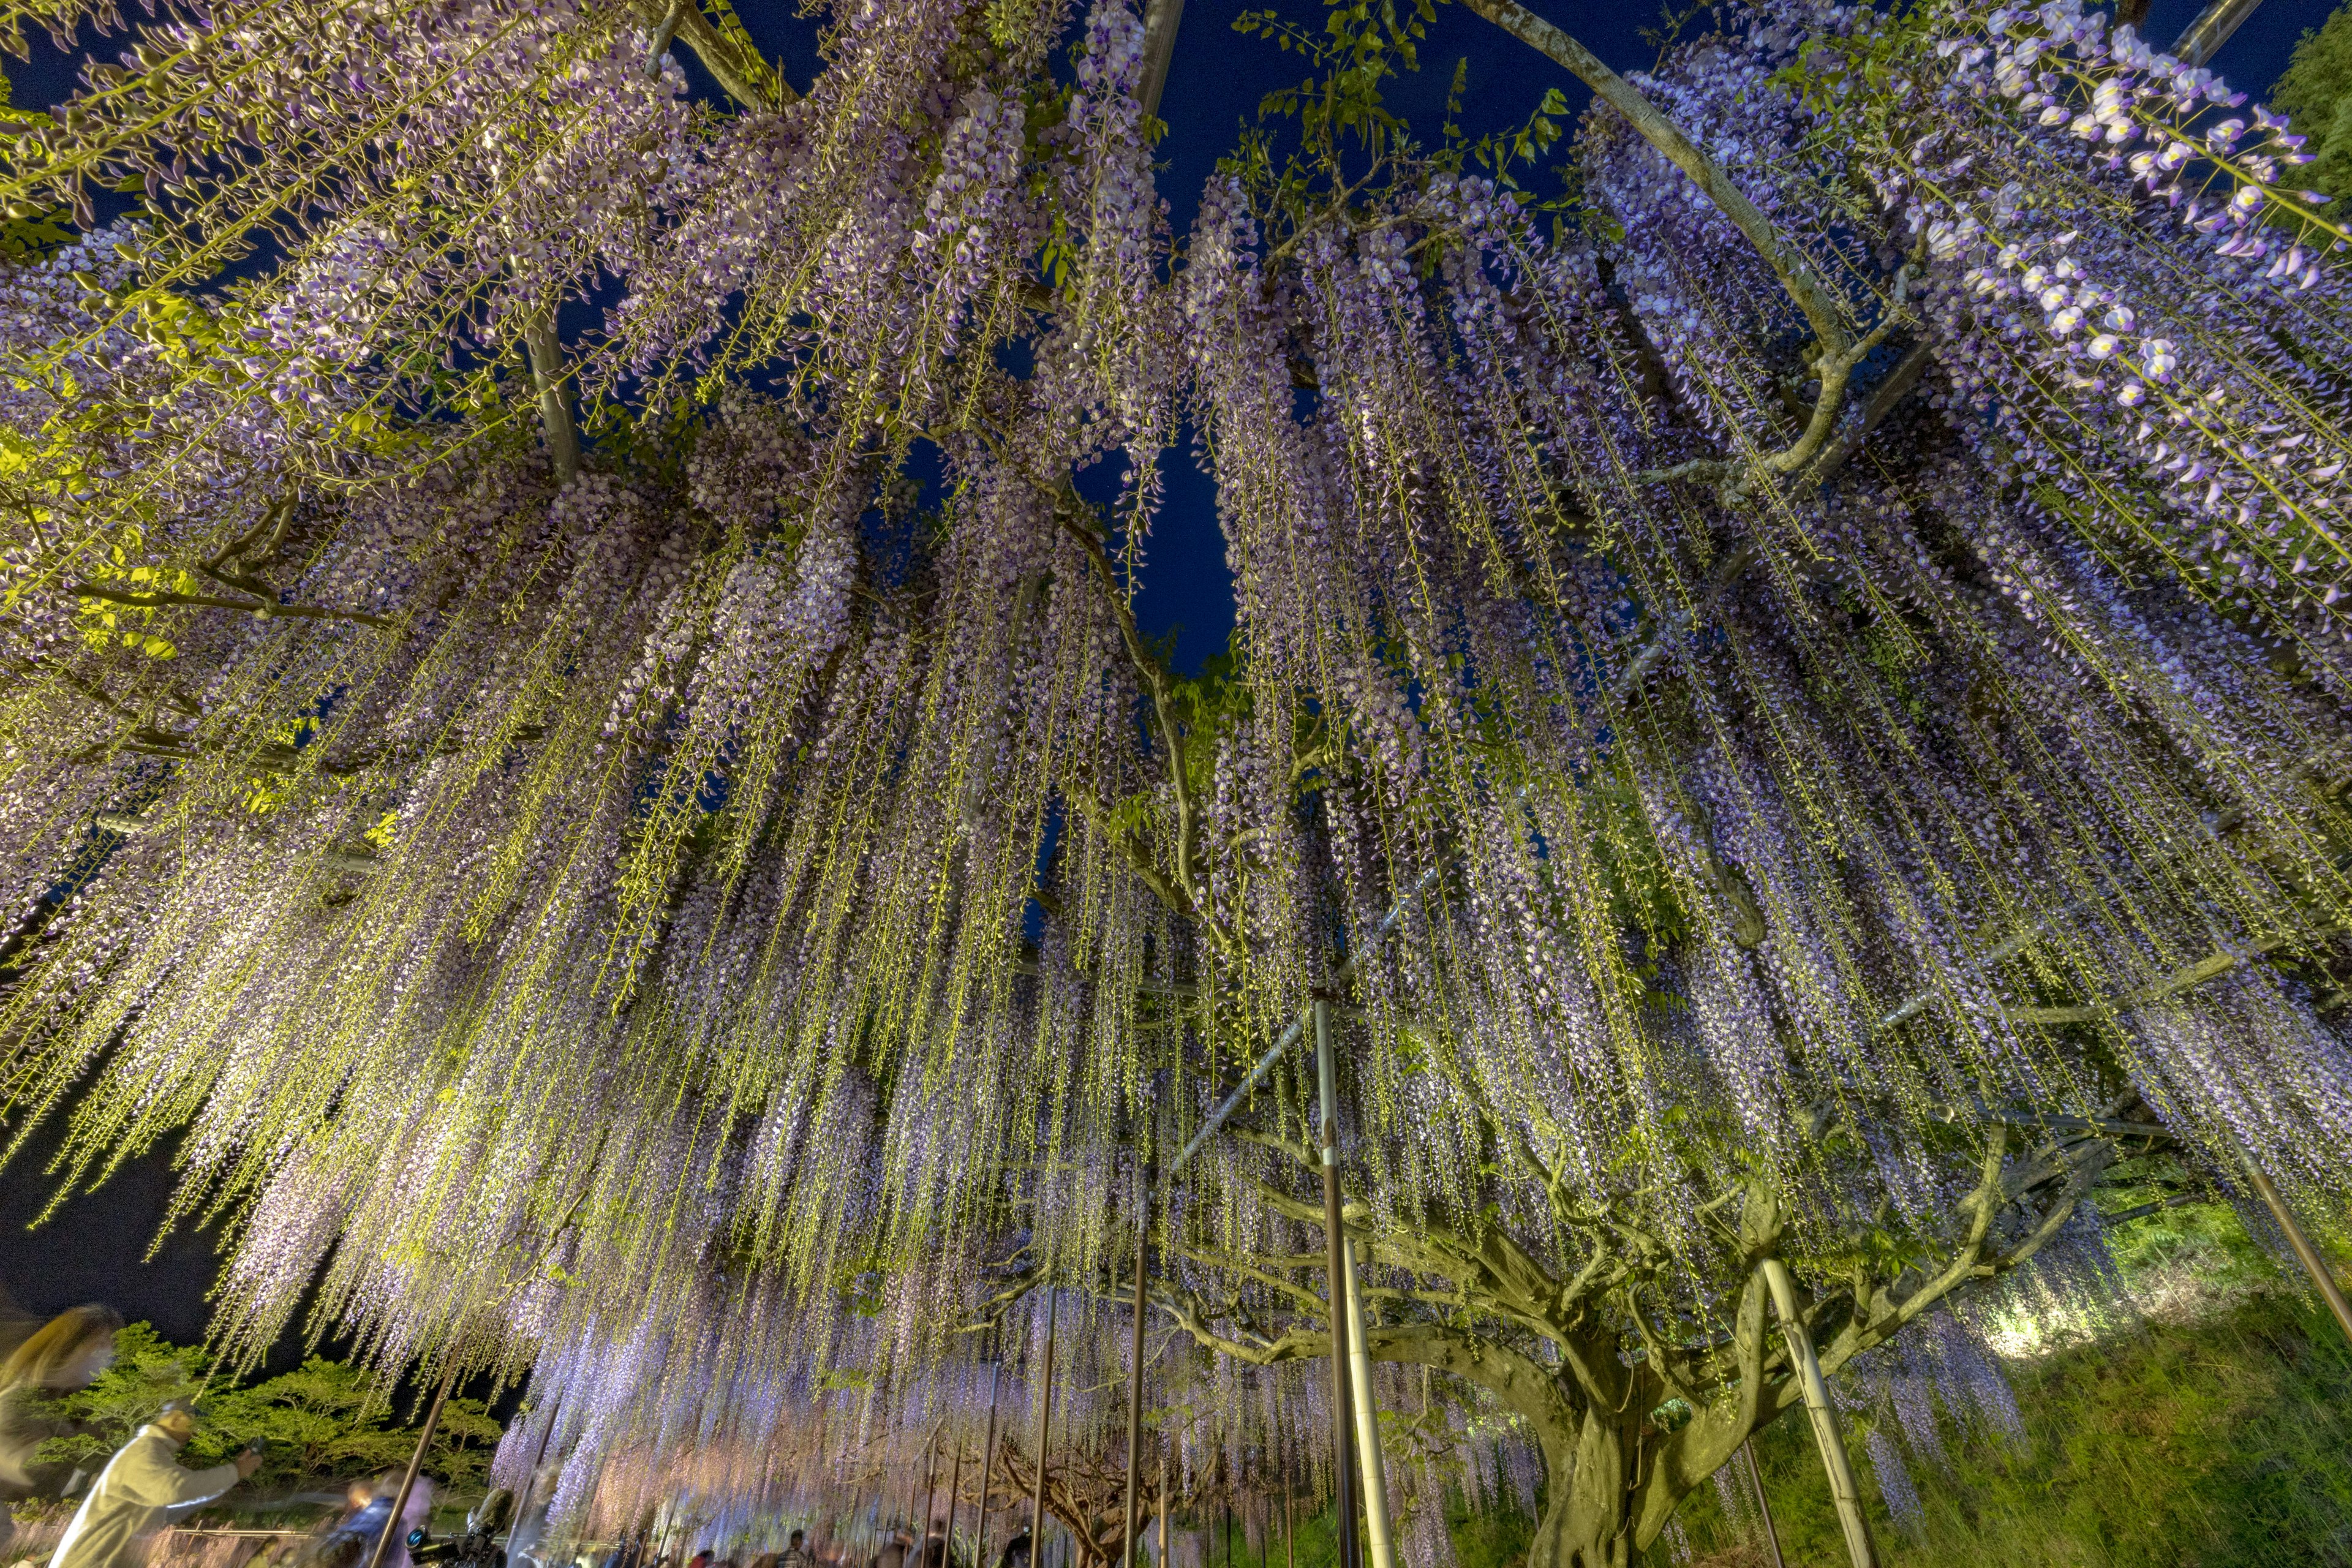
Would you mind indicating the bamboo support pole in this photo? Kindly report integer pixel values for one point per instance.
(2304, 1252)
(1336, 1283)
(547, 383)
(1843, 1491)
(415, 1463)
(1369, 1464)
(1160, 20)
(2212, 30)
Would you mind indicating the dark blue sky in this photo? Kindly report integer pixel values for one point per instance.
(94, 1249)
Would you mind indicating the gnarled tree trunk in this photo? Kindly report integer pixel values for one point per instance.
(1587, 1520)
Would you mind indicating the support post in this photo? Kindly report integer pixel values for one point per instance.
(1763, 1503)
(529, 1485)
(988, 1461)
(1162, 1560)
(1045, 1430)
(930, 1497)
(1160, 20)
(415, 1463)
(547, 380)
(1127, 1548)
(2307, 1254)
(1335, 1271)
(955, 1482)
(1378, 1540)
(1843, 1491)
(2199, 40)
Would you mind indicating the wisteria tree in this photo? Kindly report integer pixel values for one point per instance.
(1787, 683)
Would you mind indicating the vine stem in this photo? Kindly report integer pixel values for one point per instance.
(1821, 306)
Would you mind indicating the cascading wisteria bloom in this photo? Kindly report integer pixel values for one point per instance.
(704, 921)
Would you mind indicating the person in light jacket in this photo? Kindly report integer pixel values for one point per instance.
(140, 1488)
(67, 1353)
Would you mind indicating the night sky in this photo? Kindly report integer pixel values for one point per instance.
(95, 1248)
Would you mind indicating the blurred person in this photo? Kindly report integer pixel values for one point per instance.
(63, 1355)
(797, 1552)
(416, 1516)
(1016, 1552)
(352, 1539)
(144, 1486)
(893, 1552)
(529, 1530)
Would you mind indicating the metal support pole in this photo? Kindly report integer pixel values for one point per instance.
(930, 1497)
(1135, 1376)
(1336, 1283)
(1163, 1508)
(1763, 1503)
(1377, 1537)
(1045, 1430)
(2308, 1254)
(988, 1461)
(1843, 1491)
(955, 1481)
(415, 1463)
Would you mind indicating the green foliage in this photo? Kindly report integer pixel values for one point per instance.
(1363, 43)
(147, 1371)
(2316, 93)
(2223, 1443)
(327, 1419)
(27, 231)
(324, 1419)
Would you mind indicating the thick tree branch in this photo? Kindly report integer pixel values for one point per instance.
(1820, 305)
(2212, 966)
(162, 600)
(725, 49)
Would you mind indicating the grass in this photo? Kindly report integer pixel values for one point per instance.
(2224, 1443)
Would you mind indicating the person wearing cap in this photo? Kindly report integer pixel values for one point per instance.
(141, 1487)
